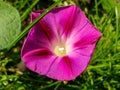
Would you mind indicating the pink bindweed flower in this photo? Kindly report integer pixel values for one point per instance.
(61, 44)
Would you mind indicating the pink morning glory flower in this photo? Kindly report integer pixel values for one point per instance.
(61, 44)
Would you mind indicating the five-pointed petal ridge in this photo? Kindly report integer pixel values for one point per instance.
(61, 44)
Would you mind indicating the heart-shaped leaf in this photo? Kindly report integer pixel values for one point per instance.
(10, 24)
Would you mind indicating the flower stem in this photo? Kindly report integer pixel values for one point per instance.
(24, 15)
(25, 31)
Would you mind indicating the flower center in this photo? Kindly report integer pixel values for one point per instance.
(60, 50)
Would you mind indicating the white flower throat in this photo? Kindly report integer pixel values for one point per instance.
(60, 50)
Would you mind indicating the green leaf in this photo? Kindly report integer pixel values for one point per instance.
(10, 24)
(108, 4)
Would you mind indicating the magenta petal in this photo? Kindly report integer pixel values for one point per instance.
(64, 28)
(38, 37)
(61, 69)
(39, 61)
(68, 18)
(85, 50)
(84, 41)
(68, 67)
(48, 24)
(78, 63)
(62, 20)
(87, 35)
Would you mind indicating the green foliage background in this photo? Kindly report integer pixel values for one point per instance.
(103, 72)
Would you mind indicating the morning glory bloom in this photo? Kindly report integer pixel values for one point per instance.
(61, 44)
